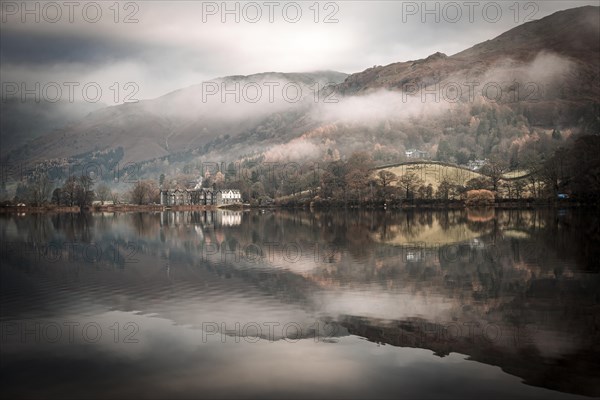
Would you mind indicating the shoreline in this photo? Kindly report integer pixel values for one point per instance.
(321, 206)
(116, 208)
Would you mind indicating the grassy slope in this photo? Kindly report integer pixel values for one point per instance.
(435, 172)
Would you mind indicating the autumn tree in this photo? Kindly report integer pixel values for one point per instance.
(479, 198)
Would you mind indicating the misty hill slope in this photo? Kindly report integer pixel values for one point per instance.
(572, 34)
(21, 121)
(180, 120)
(548, 71)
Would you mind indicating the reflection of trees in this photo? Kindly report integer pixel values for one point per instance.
(573, 235)
(448, 218)
(386, 234)
(515, 279)
(75, 226)
(146, 224)
(351, 244)
(37, 228)
(410, 228)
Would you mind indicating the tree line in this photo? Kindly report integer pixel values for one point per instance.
(573, 170)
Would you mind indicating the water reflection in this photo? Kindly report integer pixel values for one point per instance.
(517, 289)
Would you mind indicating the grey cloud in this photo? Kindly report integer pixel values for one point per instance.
(172, 48)
(36, 48)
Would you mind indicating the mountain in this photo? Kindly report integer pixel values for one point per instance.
(561, 53)
(184, 119)
(22, 122)
(502, 97)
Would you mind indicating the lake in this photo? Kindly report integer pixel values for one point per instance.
(274, 303)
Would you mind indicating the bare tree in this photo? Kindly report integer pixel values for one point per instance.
(333, 180)
(357, 182)
(56, 196)
(518, 187)
(385, 179)
(114, 196)
(40, 188)
(508, 187)
(102, 193)
(144, 192)
(443, 191)
(139, 193)
(84, 192)
(358, 173)
(552, 172)
(409, 182)
(429, 191)
(69, 191)
(495, 169)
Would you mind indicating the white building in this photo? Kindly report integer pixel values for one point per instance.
(414, 153)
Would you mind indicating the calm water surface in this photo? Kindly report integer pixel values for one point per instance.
(337, 304)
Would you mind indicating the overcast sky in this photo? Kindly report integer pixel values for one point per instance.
(165, 45)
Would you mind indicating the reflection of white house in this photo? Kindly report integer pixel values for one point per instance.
(201, 219)
(228, 218)
(413, 256)
(184, 197)
(476, 243)
(414, 153)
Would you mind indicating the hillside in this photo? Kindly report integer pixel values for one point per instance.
(548, 72)
(189, 118)
(553, 63)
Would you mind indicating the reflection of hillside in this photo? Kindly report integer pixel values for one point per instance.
(430, 228)
(517, 349)
(432, 235)
(356, 278)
